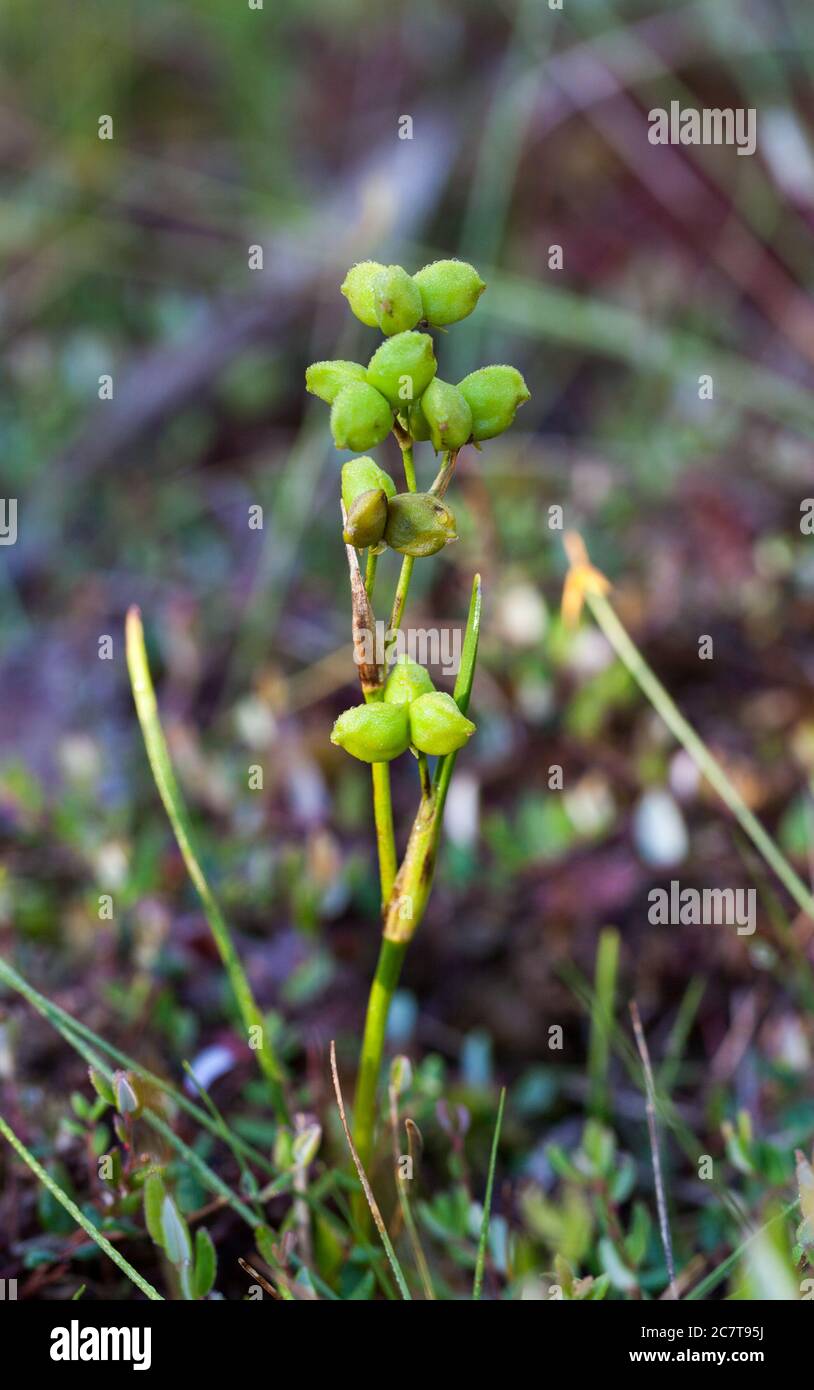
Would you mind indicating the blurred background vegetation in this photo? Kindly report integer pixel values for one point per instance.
(129, 257)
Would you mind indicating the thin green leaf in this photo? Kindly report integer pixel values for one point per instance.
(480, 1264)
(79, 1216)
(720, 1272)
(61, 1020)
(206, 1263)
(175, 807)
(681, 729)
(469, 654)
(55, 1018)
(154, 1194)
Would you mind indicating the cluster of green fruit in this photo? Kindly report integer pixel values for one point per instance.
(399, 384)
(399, 390)
(411, 714)
(400, 377)
(413, 523)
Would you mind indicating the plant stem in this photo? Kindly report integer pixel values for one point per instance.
(444, 476)
(400, 599)
(411, 889)
(406, 447)
(385, 832)
(370, 571)
(79, 1216)
(404, 1201)
(697, 749)
(652, 1129)
(174, 805)
(388, 970)
(406, 571)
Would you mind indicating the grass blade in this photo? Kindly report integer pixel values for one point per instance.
(607, 964)
(469, 655)
(366, 1188)
(487, 1201)
(718, 1274)
(646, 679)
(79, 1216)
(71, 1028)
(206, 1175)
(174, 805)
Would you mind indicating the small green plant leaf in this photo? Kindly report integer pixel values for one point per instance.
(305, 1146)
(175, 1231)
(264, 1240)
(206, 1263)
(126, 1099)
(154, 1194)
(620, 1276)
(401, 1075)
(101, 1086)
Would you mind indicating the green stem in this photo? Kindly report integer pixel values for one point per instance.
(385, 833)
(409, 465)
(400, 599)
(174, 805)
(480, 1263)
(406, 571)
(697, 749)
(79, 1216)
(388, 970)
(370, 571)
(443, 477)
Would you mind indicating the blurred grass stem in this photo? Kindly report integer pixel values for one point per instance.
(174, 805)
(627, 651)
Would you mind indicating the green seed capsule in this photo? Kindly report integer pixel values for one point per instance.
(403, 367)
(450, 290)
(366, 519)
(406, 682)
(360, 417)
(357, 288)
(437, 725)
(396, 300)
(447, 413)
(494, 395)
(418, 524)
(326, 379)
(375, 733)
(360, 475)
